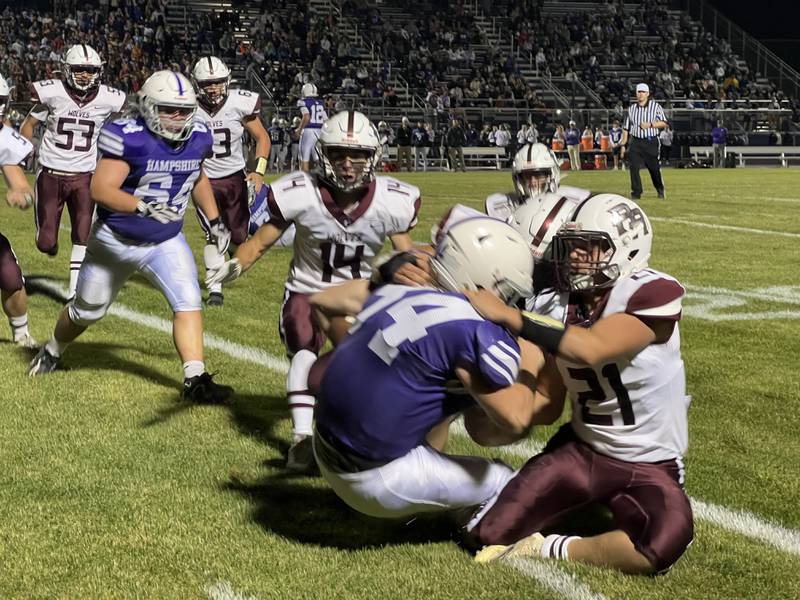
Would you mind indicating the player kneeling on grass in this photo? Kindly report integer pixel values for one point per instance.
(619, 361)
(13, 150)
(386, 385)
(149, 167)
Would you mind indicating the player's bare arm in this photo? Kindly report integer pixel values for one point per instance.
(203, 196)
(511, 410)
(256, 129)
(20, 193)
(31, 121)
(261, 241)
(107, 183)
(402, 241)
(343, 300)
(303, 122)
(611, 337)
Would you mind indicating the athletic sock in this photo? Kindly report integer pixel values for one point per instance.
(556, 546)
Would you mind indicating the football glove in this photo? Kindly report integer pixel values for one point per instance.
(160, 212)
(219, 234)
(227, 272)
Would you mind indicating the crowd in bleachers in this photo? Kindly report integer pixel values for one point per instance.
(441, 52)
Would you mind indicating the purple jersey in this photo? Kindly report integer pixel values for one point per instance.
(385, 387)
(159, 173)
(316, 110)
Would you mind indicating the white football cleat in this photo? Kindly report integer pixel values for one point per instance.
(530, 546)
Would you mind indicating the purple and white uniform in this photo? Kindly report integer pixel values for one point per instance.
(385, 389)
(316, 111)
(123, 243)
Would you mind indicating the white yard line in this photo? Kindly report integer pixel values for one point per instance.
(556, 579)
(223, 590)
(725, 227)
(746, 523)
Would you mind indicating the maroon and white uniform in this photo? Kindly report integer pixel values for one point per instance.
(225, 169)
(332, 246)
(13, 150)
(68, 156)
(624, 446)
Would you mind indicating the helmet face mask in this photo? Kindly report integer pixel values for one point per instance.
(212, 78)
(583, 260)
(349, 151)
(168, 104)
(535, 171)
(607, 237)
(82, 68)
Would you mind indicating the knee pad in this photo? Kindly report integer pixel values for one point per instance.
(85, 313)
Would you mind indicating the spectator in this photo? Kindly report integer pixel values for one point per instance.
(502, 139)
(403, 137)
(419, 139)
(572, 137)
(456, 138)
(719, 139)
(615, 139)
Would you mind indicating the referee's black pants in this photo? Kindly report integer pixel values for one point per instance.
(644, 153)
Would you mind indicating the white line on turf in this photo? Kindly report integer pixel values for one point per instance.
(223, 590)
(551, 576)
(739, 521)
(725, 227)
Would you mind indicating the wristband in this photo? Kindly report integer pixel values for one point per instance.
(261, 165)
(214, 222)
(542, 331)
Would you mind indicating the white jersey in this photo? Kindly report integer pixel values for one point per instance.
(72, 126)
(227, 124)
(13, 147)
(332, 246)
(634, 409)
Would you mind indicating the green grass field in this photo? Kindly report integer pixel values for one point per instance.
(112, 488)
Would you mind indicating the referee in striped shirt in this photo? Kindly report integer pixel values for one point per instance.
(640, 133)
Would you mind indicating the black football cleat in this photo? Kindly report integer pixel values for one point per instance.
(43, 363)
(201, 389)
(215, 299)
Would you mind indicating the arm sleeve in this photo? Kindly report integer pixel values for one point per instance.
(657, 299)
(495, 354)
(111, 141)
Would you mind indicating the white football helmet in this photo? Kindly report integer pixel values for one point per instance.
(612, 234)
(168, 92)
(535, 160)
(5, 98)
(348, 130)
(539, 221)
(82, 68)
(309, 90)
(211, 71)
(483, 252)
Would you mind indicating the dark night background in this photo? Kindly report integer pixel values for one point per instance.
(772, 22)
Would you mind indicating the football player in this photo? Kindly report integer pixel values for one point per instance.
(611, 337)
(343, 214)
(535, 171)
(313, 115)
(73, 109)
(228, 113)
(13, 150)
(150, 166)
(276, 134)
(386, 385)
